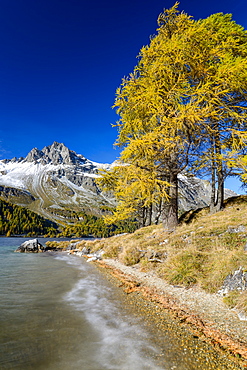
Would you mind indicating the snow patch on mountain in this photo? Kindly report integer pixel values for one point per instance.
(57, 177)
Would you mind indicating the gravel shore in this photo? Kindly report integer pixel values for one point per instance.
(206, 316)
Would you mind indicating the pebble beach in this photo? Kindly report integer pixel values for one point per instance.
(203, 326)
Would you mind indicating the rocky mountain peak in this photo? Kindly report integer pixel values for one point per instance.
(34, 155)
(57, 153)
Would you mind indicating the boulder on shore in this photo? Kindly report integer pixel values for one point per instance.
(236, 281)
(30, 246)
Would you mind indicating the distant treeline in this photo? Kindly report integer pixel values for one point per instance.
(91, 225)
(17, 220)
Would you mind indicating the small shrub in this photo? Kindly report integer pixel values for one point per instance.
(231, 299)
(237, 299)
(184, 267)
(144, 264)
(242, 302)
(112, 251)
(58, 245)
(130, 256)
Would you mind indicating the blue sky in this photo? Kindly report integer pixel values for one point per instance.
(62, 60)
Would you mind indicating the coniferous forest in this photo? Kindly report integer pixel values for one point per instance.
(17, 220)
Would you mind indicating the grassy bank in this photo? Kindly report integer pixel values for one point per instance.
(202, 251)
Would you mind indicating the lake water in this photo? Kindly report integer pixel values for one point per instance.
(57, 312)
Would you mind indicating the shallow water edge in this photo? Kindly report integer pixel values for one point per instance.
(162, 319)
(58, 311)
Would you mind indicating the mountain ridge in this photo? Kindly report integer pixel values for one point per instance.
(57, 178)
(57, 153)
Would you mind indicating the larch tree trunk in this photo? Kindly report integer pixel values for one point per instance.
(217, 202)
(171, 220)
(213, 186)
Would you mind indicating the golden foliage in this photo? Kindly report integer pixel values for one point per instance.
(185, 99)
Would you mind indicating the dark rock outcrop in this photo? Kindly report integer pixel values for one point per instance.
(30, 246)
(235, 230)
(17, 196)
(235, 281)
(34, 155)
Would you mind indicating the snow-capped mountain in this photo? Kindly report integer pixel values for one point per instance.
(195, 193)
(53, 179)
(56, 179)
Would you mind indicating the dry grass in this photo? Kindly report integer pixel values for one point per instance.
(242, 302)
(59, 245)
(203, 250)
(130, 255)
(232, 299)
(237, 299)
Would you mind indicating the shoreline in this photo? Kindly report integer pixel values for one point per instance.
(204, 315)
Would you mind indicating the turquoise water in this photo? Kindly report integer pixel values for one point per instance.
(58, 313)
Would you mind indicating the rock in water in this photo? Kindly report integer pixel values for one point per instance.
(30, 246)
